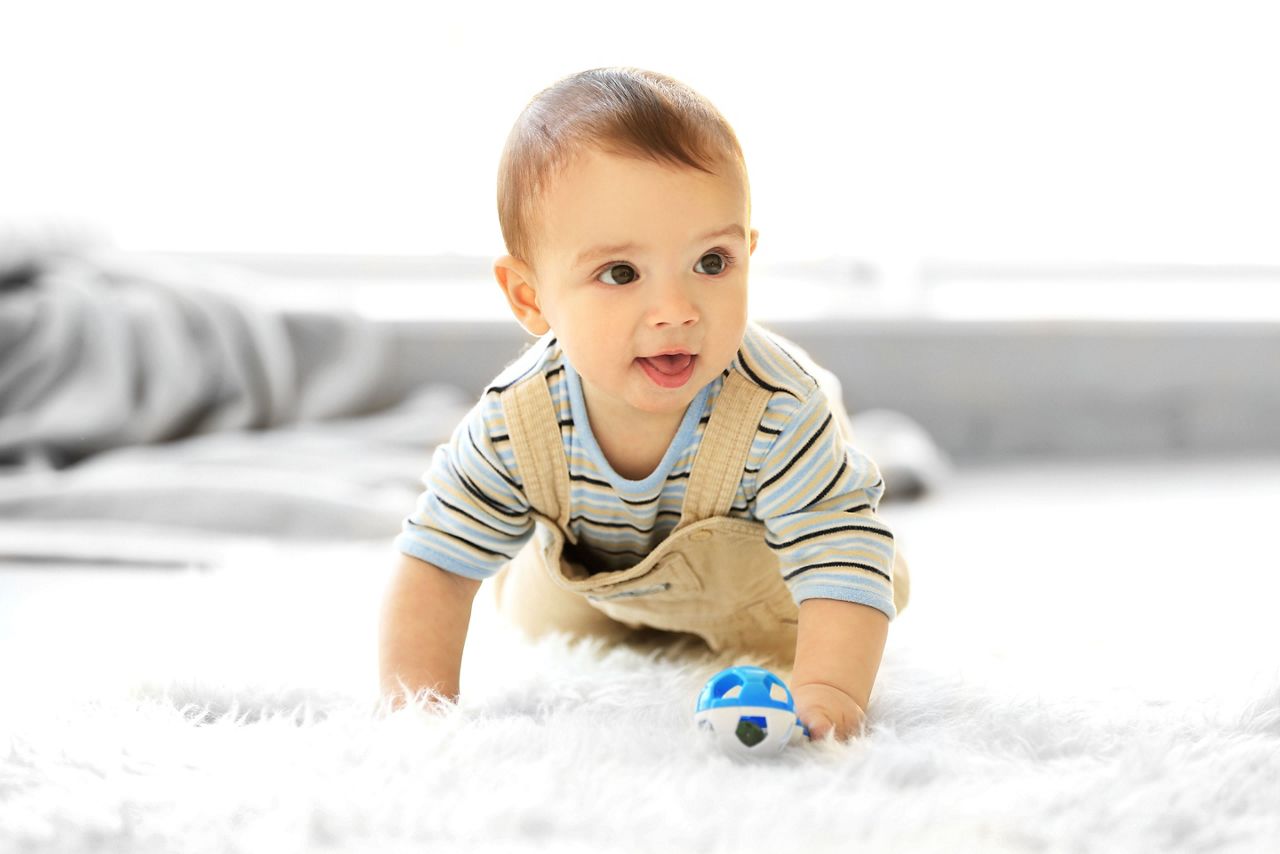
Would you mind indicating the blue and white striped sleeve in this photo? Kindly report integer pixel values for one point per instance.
(817, 497)
(473, 516)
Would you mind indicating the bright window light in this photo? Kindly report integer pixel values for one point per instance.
(905, 136)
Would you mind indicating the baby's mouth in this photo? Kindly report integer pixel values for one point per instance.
(670, 370)
(672, 364)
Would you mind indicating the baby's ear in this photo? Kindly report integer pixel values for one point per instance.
(516, 279)
(755, 235)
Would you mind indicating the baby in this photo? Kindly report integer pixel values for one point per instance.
(655, 463)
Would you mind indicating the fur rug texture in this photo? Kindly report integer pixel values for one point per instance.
(1049, 695)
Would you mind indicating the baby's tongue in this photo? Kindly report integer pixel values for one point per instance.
(673, 364)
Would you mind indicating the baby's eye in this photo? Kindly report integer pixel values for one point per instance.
(715, 263)
(619, 274)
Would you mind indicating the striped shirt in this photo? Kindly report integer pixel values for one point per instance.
(815, 495)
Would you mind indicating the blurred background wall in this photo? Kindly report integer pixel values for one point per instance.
(1050, 228)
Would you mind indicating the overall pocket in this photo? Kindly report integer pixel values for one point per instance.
(668, 596)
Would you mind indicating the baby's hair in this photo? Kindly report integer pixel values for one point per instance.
(621, 111)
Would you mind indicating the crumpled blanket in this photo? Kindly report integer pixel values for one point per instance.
(100, 350)
(339, 479)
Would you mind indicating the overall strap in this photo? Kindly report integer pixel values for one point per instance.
(722, 454)
(538, 447)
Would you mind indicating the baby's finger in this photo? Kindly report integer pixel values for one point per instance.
(819, 725)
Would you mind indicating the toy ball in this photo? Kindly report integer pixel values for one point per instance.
(749, 710)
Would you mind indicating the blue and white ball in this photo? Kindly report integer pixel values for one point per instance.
(749, 710)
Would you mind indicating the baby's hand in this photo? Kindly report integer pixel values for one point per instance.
(823, 708)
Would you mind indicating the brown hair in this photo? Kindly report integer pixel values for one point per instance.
(623, 111)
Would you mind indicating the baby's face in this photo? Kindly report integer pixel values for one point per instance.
(642, 274)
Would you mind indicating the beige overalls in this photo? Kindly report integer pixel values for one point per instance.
(712, 577)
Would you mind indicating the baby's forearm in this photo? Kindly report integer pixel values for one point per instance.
(423, 628)
(840, 644)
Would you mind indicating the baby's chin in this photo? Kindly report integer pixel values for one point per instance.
(657, 401)
(669, 408)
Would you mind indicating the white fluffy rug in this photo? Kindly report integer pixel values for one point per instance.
(1081, 669)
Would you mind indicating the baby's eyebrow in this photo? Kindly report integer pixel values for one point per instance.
(734, 229)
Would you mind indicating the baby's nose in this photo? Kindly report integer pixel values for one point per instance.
(672, 304)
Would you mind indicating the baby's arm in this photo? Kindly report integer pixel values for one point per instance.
(817, 498)
(423, 628)
(838, 654)
(471, 518)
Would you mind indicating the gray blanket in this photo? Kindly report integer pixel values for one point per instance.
(135, 398)
(98, 351)
(343, 479)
